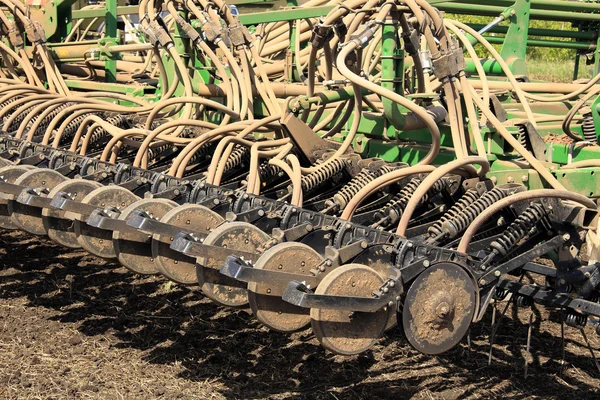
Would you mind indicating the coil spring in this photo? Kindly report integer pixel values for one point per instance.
(392, 211)
(48, 118)
(576, 320)
(523, 301)
(519, 228)
(453, 226)
(500, 294)
(468, 198)
(9, 101)
(237, 157)
(588, 128)
(71, 128)
(17, 121)
(154, 152)
(118, 120)
(523, 139)
(327, 171)
(268, 172)
(203, 152)
(341, 198)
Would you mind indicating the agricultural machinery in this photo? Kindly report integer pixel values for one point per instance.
(354, 167)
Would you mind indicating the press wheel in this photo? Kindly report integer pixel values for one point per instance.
(99, 241)
(343, 331)
(219, 288)
(58, 226)
(10, 174)
(438, 308)
(172, 264)
(133, 249)
(265, 299)
(26, 217)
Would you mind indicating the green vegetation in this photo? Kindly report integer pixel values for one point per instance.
(542, 63)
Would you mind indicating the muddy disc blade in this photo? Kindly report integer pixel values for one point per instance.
(438, 308)
(10, 174)
(234, 236)
(343, 331)
(58, 227)
(27, 217)
(172, 264)
(133, 248)
(99, 241)
(265, 299)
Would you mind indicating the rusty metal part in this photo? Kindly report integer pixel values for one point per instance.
(265, 298)
(438, 308)
(99, 241)
(172, 264)
(10, 174)
(58, 226)
(27, 217)
(133, 248)
(234, 236)
(345, 332)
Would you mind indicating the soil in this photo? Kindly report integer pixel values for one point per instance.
(73, 326)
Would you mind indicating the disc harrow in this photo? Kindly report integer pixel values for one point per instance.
(355, 169)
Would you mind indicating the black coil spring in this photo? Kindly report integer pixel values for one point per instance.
(576, 320)
(203, 152)
(519, 228)
(523, 301)
(71, 128)
(239, 155)
(9, 101)
(48, 118)
(468, 198)
(268, 172)
(500, 294)
(392, 211)
(117, 120)
(327, 171)
(17, 121)
(343, 196)
(154, 152)
(588, 128)
(453, 226)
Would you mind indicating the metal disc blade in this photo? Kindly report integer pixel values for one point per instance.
(172, 264)
(265, 298)
(438, 308)
(342, 331)
(220, 288)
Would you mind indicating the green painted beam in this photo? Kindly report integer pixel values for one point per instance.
(285, 15)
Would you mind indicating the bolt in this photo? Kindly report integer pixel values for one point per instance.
(391, 304)
(483, 267)
(409, 244)
(426, 263)
(524, 178)
(587, 275)
(497, 274)
(385, 290)
(566, 237)
(510, 179)
(392, 284)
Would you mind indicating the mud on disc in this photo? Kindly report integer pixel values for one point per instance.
(10, 174)
(265, 299)
(99, 241)
(438, 308)
(133, 249)
(172, 264)
(26, 217)
(220, 288)
(58, 227)
(343, 331)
